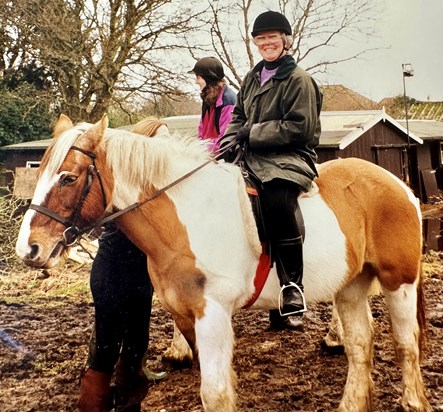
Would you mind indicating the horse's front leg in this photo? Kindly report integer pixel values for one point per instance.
(332, 343)
(215, 343)
(179, 355)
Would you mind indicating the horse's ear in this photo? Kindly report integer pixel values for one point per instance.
(63, 124)
(104, 122)
(101, 126)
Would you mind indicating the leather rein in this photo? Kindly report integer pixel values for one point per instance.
(72, 233)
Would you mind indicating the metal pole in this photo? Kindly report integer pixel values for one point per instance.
(406, 110)
(407, 72)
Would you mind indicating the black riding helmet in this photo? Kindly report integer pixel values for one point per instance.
(209, 68)
(271, 20)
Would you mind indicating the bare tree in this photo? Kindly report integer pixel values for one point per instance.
(98, 51)
(318, 26)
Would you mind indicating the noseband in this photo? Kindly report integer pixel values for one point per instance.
(72, 232)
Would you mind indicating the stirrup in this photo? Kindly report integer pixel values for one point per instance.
(280, 300)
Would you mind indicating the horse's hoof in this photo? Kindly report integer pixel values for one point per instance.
(174, 364)
(331, 350)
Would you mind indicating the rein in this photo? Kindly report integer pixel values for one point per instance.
(72, 232)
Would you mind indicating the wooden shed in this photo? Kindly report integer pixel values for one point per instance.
(375, 136)
(429, 156)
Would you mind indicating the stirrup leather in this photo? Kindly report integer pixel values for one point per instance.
(280, 300)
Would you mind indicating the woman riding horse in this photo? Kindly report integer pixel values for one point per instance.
(277, 119)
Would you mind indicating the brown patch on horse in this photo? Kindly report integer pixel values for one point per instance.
(155, 228)
(148, 126)
(388, 238)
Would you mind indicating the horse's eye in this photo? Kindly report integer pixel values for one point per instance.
(67, 179)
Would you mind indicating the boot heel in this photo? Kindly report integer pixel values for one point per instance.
(297, 309)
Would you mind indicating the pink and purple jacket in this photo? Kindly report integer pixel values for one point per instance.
(215, 120)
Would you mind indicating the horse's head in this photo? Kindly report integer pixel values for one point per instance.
(71, 193)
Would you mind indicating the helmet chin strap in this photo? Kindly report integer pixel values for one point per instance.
(284, 47)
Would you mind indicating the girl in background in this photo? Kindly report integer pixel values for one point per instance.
(218, 101)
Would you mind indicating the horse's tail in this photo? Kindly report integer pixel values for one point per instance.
(421, 314)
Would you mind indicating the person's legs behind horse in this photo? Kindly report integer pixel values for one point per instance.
(279, 199)
(118, 276)
(132, 379)
(104, 347)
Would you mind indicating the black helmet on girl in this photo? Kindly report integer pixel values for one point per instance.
(209, 68)
(271, 20)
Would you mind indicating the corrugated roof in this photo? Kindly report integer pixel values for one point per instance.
(187, 124)
(426, 129)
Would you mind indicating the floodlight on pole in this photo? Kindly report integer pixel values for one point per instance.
(407, 72)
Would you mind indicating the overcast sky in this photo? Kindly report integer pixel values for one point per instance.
(411, 31)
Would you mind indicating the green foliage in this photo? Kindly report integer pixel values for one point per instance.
(24, 114)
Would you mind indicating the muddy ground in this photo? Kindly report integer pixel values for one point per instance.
(45, 323)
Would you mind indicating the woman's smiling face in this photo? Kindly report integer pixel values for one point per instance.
(270, 45)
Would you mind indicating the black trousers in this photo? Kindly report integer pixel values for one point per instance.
(279, 203)
(122, 294)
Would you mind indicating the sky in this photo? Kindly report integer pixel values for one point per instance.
(410, 31)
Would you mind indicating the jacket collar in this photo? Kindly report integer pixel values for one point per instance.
(283, 71)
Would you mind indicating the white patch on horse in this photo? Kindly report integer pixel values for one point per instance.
(228, 237)
(403, 311)
(215, 351)
(324, 252)
(45, 183)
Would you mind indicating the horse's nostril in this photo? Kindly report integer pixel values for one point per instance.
(34, 251)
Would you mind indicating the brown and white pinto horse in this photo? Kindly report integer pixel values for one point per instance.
(361, 223)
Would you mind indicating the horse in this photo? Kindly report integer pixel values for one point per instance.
(192, 216)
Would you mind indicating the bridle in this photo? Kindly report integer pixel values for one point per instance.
(72, 232)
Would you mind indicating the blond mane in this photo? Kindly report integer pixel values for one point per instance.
(155, 162)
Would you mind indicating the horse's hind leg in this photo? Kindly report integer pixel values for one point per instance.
(332, 343)
(215, 343)
(403, 308)
(353, 308)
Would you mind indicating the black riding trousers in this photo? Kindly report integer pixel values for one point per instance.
(122, 294)
(279, 203)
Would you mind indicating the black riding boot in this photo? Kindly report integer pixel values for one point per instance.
(278, 322)
(289, 261)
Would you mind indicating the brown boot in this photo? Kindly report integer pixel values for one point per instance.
(131, 387)
(95, 392)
